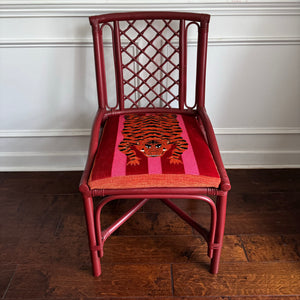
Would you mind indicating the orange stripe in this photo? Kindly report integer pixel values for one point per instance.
(155, 180)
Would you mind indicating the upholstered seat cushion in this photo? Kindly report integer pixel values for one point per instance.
(152, 150)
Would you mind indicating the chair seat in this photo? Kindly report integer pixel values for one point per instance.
(152, 150)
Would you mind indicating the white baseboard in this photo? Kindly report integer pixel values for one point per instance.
(261, 159)
(75, 160)
(42, 161)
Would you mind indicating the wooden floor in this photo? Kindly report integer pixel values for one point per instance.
(44, 249)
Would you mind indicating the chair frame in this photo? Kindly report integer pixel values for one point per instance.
(97, 236)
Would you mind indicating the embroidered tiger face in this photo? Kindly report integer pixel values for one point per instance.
(152, 147)
(153, 135)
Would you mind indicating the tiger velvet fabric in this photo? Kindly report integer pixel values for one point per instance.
(152, 150)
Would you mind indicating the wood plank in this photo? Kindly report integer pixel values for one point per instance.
(40, 182)
(173, 298)
(260, 222)
(43, 232)
(149, 224)
(282, 297)
(252, 201)
(50, 281)
(162, 298)
(272, 247)
(265, 180)
(167, 249)
(64, 251)
(119, 205)
(6, 274)
(246, 201)
(38, 214)
(64, 242)
(73, 250)
(56, 298)
(239, 279)
(188, 205)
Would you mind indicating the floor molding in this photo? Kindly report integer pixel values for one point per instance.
(75, 160)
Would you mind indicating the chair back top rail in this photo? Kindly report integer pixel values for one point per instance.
(143, 15)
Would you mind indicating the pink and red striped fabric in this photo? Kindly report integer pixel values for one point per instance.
(112, 171)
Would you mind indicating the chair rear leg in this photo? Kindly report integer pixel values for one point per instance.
(90, 222)
(221, 215)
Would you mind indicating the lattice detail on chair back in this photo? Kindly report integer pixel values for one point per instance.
(150, 58)
(150, 63)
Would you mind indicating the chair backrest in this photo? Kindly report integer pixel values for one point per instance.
(149, 58)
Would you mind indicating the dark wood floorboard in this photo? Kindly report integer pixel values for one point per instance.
(155, 255)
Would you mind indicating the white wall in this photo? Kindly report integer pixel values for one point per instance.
(47, 83)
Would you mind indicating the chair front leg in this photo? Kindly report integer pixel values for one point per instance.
(218, 242)
(90, 222)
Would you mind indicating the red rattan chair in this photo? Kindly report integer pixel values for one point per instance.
(152, 142)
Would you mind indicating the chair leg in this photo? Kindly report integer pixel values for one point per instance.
(90, 222)
(221, 215)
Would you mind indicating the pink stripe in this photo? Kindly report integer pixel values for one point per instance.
(154, 165)
(120, 159)
(188, 156)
